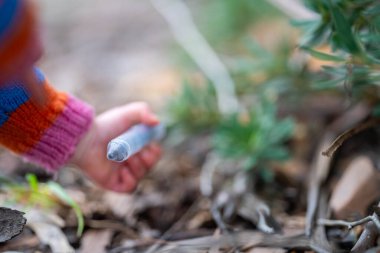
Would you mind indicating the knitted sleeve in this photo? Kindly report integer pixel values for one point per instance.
(43, 134)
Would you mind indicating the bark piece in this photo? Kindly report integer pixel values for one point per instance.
(12, 223)
(357, 188)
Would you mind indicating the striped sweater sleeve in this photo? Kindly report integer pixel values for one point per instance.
(43, 134)
(20, 45)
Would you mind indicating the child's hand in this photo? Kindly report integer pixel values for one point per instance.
(90, 154)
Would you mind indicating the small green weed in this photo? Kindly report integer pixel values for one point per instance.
(40, 195)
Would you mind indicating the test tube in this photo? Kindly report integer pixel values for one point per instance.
(132, 141)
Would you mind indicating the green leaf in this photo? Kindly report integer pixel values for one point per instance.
(276, 153)
(282, 130)
(64, 197)
(374, 38)
(33, 181)
(375, 10)
(323, 56)
(343, 29)
(327, 84)
(315, 36)
(340, 71)
(305, 24)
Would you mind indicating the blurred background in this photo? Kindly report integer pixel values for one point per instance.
(248, 110)
(113, 52)
(108, 53)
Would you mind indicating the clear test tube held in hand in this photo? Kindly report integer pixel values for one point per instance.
(133, 140)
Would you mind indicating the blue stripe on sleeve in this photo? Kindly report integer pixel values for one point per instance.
(8, 13)
(11, 98)
(13, 94)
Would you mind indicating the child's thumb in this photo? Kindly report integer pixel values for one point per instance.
(140, 112)
(35, 89)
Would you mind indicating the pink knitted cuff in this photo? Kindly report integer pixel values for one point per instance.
(59, 141)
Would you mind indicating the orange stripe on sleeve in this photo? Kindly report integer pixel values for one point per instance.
(27, 124)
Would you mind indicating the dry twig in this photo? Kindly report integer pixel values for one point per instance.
(343, 223)
(329, 152)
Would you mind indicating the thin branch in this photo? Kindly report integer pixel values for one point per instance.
(182, 25)
(374, 218)
(320, 168)
(207, 174)
(348, 134)
(342, 223)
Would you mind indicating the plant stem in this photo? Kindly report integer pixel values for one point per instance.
(181, 23)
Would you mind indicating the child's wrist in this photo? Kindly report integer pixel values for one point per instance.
(59, 140)
(83, 147)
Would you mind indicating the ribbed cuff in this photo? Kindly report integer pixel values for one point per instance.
(58, 142)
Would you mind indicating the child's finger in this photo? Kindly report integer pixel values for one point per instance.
(122, 181)
(155, 148)
(137, 112)
(136, 166)
(149, 156)
(122, 118)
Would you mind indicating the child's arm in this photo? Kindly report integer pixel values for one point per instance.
(47, 133)
(51, 128)
(63, 130)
